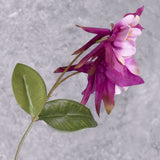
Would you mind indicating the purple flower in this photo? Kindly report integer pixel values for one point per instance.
(110, 66)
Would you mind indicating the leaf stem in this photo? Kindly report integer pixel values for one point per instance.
(24, 136)
(58, 80)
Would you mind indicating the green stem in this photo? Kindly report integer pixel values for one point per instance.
(68, 77)
(64, 80)
(24, 136)
(58, 80)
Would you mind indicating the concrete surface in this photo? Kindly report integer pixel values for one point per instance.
(42, 34)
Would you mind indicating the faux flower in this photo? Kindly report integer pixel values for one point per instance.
(110, 66)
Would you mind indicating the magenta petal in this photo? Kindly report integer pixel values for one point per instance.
(95, 66)
(126, 48)
(138, 12)
(139, 27)
(123, 33)
(108, 96)
(103, 31)
(99, 48)
(108, 54)
(89, 89)
(100, 83)
(123, 77)
(88, 44)
(132, 65)
(85, 68)
(98, 54)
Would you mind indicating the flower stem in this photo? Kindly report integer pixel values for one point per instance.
(58, 80)
(68, 77)
(24, 136)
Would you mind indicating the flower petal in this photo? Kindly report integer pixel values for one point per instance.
(108, 96)
(109, 54)
(132, 65)
(100, 81)
(139, 27)
(129, 19)
(94, 66)
(119, 56)
(103, 31)
(89, 89)
(88, 44)
(123, 77)
(126, 48)
(99, 48)
(123, 33)
(135, 32)
(119, 90)
(85, 68)
(138, 12)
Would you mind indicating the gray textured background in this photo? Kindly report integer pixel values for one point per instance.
(41, 34)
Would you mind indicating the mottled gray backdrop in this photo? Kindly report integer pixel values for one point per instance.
(42, 34)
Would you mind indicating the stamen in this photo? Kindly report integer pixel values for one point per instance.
(130, 33)
(127, 39)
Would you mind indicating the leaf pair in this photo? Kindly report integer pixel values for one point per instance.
(31, 94)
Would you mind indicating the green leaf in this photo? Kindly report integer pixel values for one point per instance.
(29, 89)
(67, 115)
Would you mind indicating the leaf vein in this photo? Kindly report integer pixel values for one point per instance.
(68, 115)
(28, 95)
